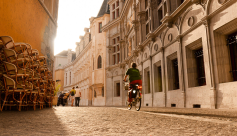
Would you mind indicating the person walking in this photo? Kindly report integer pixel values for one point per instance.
(72, 93)
(77, 96)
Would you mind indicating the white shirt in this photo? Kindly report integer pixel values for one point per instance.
(78, 93)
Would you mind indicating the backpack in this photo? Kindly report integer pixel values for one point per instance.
(72, 93)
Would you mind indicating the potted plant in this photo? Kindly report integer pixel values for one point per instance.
(57, 88)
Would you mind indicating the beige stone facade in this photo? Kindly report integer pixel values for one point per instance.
(185, 51)
(85, 67)
(180, 47)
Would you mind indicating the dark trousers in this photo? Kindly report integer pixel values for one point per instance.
(77, 101)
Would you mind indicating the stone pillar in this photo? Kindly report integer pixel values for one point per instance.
(153, 5)
(168, 7)
(213, 97)
(130, 47)
(181, 64)
(163, 76)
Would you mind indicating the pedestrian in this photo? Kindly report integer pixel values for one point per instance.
(77, 96)
(72, 95)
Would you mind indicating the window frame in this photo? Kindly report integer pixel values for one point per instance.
(99, 62)
(100, 27)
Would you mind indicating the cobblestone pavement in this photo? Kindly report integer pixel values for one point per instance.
(116, 121)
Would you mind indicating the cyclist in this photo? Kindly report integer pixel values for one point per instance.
(134, 78)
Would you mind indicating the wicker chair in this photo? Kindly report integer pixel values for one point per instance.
(10, 44)
(26, 79)
(18, 74)
(20, 60)
(17, 91)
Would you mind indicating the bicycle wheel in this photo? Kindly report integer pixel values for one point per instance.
(129, 106)
(138, 104)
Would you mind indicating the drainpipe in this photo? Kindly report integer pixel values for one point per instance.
(211, 63)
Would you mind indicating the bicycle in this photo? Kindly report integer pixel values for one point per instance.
(135, 94)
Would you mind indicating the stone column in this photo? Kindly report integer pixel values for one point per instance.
(213, 97)
(153, 5)
(181, 64)
(130, 47)
(163, 76)
(168, 7)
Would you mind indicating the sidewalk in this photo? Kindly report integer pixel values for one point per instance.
(218, 113)
(221, 113)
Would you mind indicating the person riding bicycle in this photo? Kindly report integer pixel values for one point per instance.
(134, 77)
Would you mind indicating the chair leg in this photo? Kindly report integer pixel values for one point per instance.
(20, 106)
(34, 102)
(4, 102)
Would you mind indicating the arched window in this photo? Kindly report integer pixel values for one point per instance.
(99, 62)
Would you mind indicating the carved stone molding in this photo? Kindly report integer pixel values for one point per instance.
(177, 22)
(205, 23)
(167, 20)
(178, 38)
(138, 61)
(191, 21)
(134, 22)
(162, 48)
(170, 37)
(196, 1)
(156, 47)
(116, 73)
(145, 55)
(153, 4)
(169, 24)
(161, 36)
(221, 1)
(200, 2)
(142, 16)
(134, 6)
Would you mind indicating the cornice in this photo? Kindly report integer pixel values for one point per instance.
(111, 67)
(224, 6)
(79, 56)
(168, 19)
(111, 23)
(124, 8)
(111, 1)
(144, 43)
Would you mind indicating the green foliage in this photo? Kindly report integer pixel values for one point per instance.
(57, 88)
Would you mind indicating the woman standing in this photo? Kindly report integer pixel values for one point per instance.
(72, 93)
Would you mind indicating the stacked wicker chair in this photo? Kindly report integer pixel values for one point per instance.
(25, 79)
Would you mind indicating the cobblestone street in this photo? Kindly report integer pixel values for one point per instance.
(116, 121)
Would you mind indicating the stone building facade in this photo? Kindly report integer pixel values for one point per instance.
(185, 51)
(87, 69)
(33, 22)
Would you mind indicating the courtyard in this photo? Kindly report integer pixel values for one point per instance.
(118, 121)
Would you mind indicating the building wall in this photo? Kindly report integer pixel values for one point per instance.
(59, 75)
(97, 84)
(186, 28)
(28, 21)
